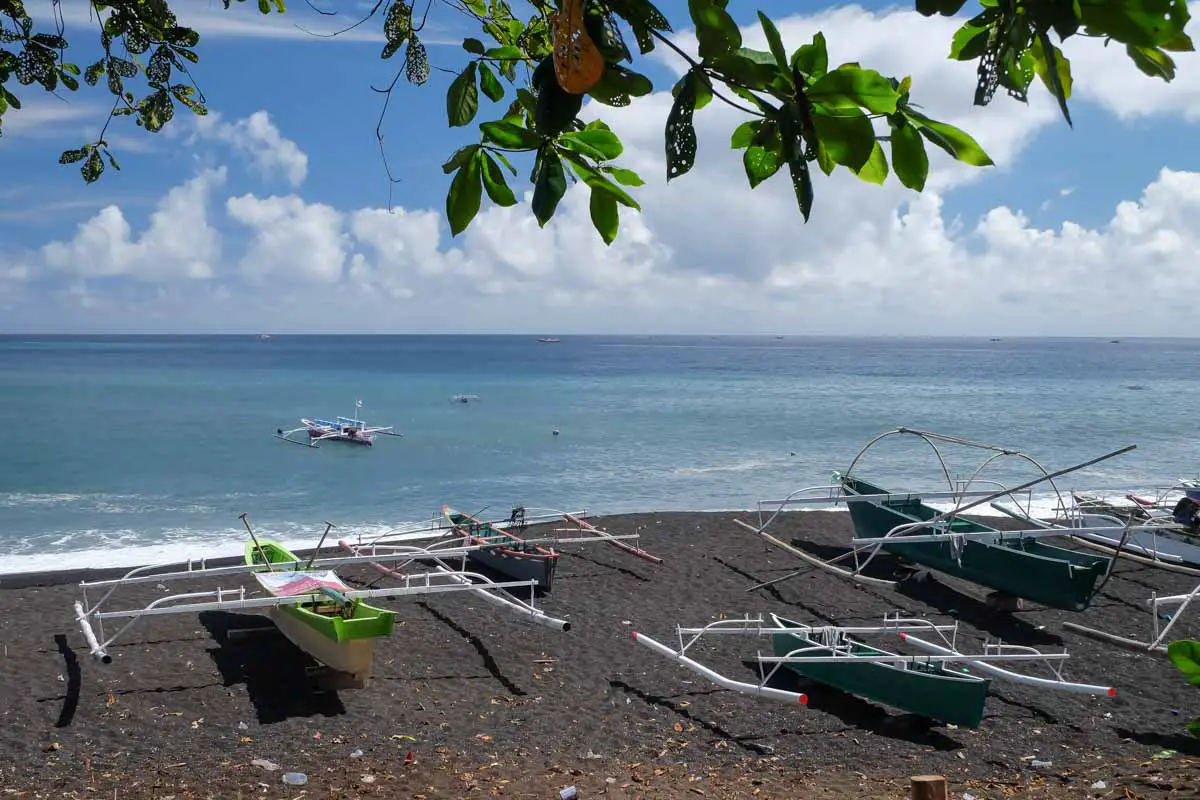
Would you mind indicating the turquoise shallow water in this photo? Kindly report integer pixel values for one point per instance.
(119, 444)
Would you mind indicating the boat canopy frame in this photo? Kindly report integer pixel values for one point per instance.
(940, 524)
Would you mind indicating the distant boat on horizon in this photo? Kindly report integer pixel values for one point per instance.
(549, 340)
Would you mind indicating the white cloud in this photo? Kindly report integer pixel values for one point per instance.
(708, 254)
(178, 242)
(293, 240)
(40, 112)
(257, 138)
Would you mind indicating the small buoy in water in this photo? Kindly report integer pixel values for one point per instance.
(555, 431)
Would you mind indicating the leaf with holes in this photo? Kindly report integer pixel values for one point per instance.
(618, 84)
(605, 217)
(909, 159)
(847, 135)
(680, 132)
(156, 110)
(801, 184)
(92, 168)
(462, 98)
(764, 154)
(465, 195)
(71, 156)
(643, 19)
(1150, 23)
(550, 186)
(970, 41)
(496, 185)
(744, 134)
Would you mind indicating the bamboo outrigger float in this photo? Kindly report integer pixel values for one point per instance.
(1012, 563)
(308, 601)
(832, 655)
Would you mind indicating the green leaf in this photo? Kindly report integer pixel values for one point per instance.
(716, 31)
(1193, 728)
(761, 162)
(876, 168)
(550, 186)
(909, 159)
(496, 185)
(957, 143)
(1152, 61)
(601, 145)
(847, 134)
(1148, 23)
(1180, 44)
(618, 84)
(461, 156)
(947, 8)
(680, 132)
(507, 134)
(605, 217)
(802, 184)
(775, 42)
(505, 53)
(465, 195)
(743, 134)
(477, 6)
(462, 98)
(812, 60)
(969, 42)
(473, 46)
(92, 168)
(490, 84)
(702, 87)
(847, 86)
(625, 177)
(1185, 655)
(1054, 69)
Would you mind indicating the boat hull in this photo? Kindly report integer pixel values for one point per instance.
(1026, 568)
(927, 690)
(514, 558)
(342, 641)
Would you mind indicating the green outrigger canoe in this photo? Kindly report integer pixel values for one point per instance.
(927, 689)
(1025, 567)
(337, 632)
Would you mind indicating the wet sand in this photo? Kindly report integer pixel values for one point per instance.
(462, 685)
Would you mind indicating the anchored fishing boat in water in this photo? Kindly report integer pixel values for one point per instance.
(342, 429)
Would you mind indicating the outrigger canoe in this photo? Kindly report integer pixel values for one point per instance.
(507, 553)
(1020, 567)
(926, 689)
(338, 632)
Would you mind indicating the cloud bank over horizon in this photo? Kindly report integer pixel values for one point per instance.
(707, 255)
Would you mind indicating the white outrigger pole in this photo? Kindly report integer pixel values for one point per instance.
(90, 617)
(943, 652)
(1158, 632)
(835, 494)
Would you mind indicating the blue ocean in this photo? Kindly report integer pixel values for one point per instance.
(123, 450)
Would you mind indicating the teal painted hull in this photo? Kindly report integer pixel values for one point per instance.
(927, 690)
(1026, 568)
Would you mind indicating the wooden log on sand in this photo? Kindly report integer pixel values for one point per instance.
(928, 787)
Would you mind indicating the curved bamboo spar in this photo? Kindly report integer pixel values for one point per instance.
(983, 666)
(816, 562)
(480, 590)
(718, 678)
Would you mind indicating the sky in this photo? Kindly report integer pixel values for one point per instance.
(271, 213)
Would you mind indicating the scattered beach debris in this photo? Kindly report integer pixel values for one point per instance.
(269, 766)
(295, 778)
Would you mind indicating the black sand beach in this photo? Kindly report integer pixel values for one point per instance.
(471, 701)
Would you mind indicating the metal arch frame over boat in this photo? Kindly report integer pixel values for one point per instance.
(893, 521)
(302, 611)
(350, 430)
(919, 684)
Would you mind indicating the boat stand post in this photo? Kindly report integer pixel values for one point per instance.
(254, 538)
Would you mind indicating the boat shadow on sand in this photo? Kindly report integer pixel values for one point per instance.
(858, 713)
(282, 681)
